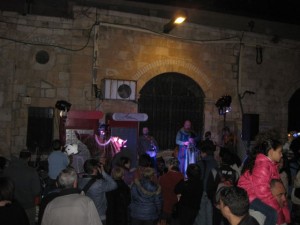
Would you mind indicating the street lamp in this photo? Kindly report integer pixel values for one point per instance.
(179, 18)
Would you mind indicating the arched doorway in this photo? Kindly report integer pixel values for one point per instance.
(294, 112)
(169, 99)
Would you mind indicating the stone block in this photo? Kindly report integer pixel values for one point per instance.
(50, 93)
(5, 115)
(63, 76)
(46, 85)
(62, 93)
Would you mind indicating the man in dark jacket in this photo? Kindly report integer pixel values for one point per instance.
(27, 183)
(190, 192)
(207, 163)
(234, 206)
(102, 184)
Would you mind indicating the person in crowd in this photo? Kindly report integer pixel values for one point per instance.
(118, 200)
(46, 198)
(295, 197)
(125, 163)
(147, 144)
(161, 166)
(71, 207)
(27, 183)
(284, 172)
(286, 147)
(207, 142)
(186, 139)
(228, 140)
(168, 182)
(190, 194)
(224, 175)
(207, 163)
(95, 183)
(234, 206)
(11, 212)
(144, 163)
(57, 161)
(279, 192)
(146, 200)
(257, 173)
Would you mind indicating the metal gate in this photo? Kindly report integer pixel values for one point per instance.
(169, 99)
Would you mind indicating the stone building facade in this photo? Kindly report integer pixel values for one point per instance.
(105, 44)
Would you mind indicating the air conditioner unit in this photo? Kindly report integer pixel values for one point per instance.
(118, 89)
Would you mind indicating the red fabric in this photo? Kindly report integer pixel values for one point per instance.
(257, 185)
(167, 183)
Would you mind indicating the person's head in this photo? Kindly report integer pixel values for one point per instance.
(227, 157)
(90, 166)
(56, 145)
(124, 162)
(148, 173)
(173, 164)
(161, 164)
(278, 191)
(207, 135)
(25, 155)
(272, 148)
(67, 178)
(145, 130)
(193, 171)
(234, 201)
(144, 160)
(102, 130)
(7, 188)
(117, 173)
(187, 126)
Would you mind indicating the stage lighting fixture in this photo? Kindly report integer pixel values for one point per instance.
(223, 104)
(63, 106)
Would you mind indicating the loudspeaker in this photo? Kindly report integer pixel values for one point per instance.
(39, 128)
(250, 126)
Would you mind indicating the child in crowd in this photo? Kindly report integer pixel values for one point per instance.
(260, 169)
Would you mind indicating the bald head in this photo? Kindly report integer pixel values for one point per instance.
(187, 125)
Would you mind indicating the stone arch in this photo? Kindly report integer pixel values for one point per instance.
(147, 72)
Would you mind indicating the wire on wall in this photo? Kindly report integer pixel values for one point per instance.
(51, 45)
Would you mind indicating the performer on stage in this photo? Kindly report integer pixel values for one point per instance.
(147, 144)
(186, 140)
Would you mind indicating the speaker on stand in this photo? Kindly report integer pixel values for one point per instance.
(250, 127)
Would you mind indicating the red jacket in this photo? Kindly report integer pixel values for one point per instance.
(168, 182)
(257, 185)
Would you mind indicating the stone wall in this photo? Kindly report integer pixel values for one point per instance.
(132, 47)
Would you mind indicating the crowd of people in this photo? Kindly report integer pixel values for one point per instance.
(202, 184)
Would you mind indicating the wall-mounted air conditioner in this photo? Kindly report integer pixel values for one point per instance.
(118, 89)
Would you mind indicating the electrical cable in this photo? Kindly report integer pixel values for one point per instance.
(51, 45)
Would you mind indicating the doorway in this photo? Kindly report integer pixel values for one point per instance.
(169, 99)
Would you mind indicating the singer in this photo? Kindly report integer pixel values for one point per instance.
(186, 140)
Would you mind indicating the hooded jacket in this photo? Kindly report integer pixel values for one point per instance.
(257, 185)
(146, 200)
